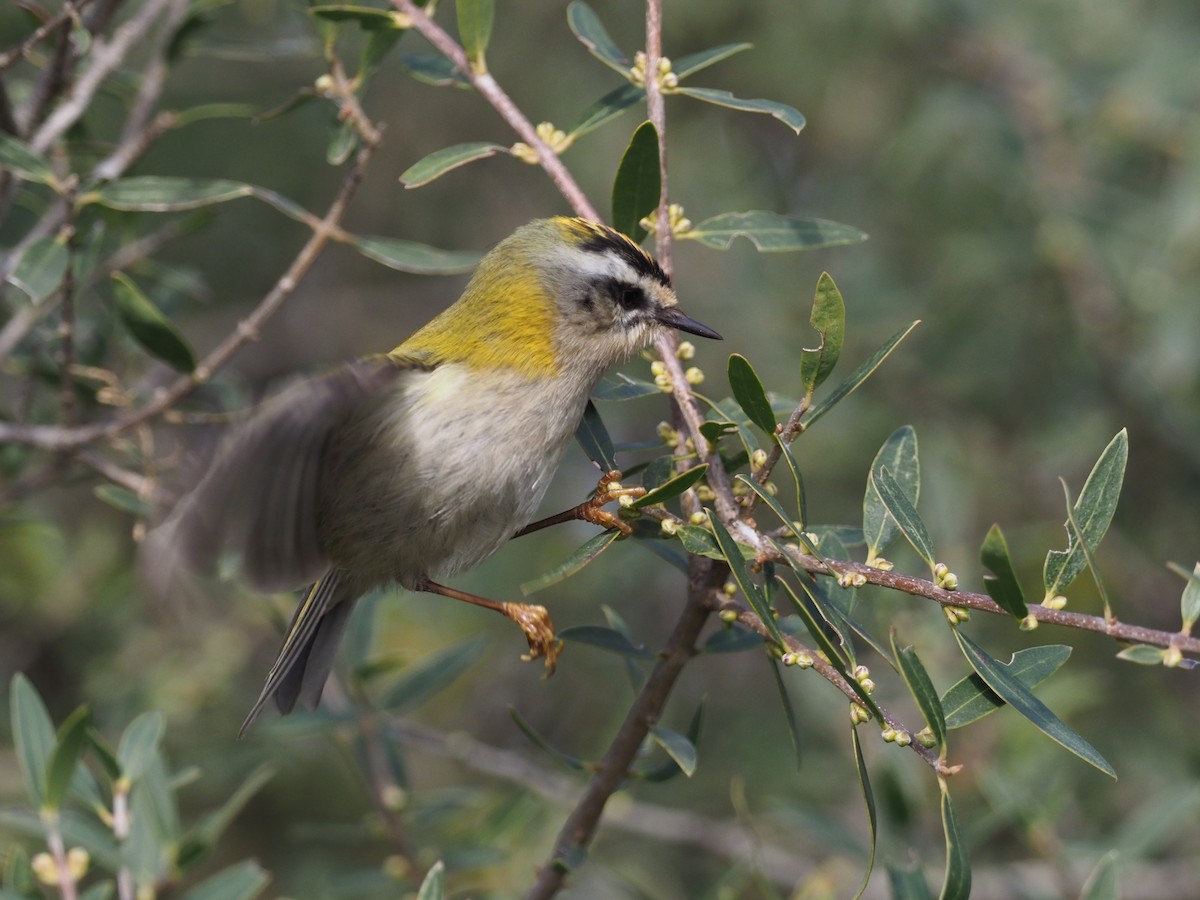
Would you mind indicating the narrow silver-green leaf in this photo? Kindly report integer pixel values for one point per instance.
(957, 882)
(750, 394)
(123, 499)
(1189, 603)
(593, 437)
(606, 109)
(789, 714)
(776, 507)
(572, 762)
(829, 640)
(586, 26)
(1143, 655)
(611, 639)
(40, 270)
(828, 317)
(139, 744)
(1104, 883)
(69, 744)
(433, 885)
(158, 193)
(694, 62)
(573, 563)
(907, 881)
(1020, 698)
(1093, 512)
(241, 881)
(205, 834)
(343, 143)
(858, 376)
(785, 453)
(619, 386)
(418, 259)
(900, 508)
(699, 542)
(24, 163)
(427, 676)
(922, 690)
(379, 43)
(741, 574)
(771, 232)
(678, 747)
(149, 327)
(434, 69)
(864, 781)
(788, 115)
(1002, 586)
(475, 19)
(440, 162)
(971, 699)
(900, 457)
(369, 18)
(33, 736)
(636, 188)
(671, 488)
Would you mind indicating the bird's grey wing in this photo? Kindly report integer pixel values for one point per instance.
(259, 498)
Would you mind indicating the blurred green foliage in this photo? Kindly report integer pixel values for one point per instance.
(1029, 176)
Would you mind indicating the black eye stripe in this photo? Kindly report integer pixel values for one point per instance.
(608, 241)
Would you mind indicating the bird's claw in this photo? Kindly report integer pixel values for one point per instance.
(535, 622)
(607, 490)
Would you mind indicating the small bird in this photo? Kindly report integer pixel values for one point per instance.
(420, 463)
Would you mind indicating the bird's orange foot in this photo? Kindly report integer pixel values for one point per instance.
(535, 622)
(607, 490)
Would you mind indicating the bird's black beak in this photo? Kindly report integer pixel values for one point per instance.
(672, 317)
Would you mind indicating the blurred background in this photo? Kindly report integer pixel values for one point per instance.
(1029, 176)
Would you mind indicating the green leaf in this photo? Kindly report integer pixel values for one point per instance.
(621, 387)
(1002, 586)
(714, 431)
(694, 62)
(1105, 882)
(734, 639)
(699, 542)
(858, 376)
(204, 836)
(789, 714)
(919, 685)
(1093, 512)
(157, 193)
(898, 455)
(123, 499)
(149, 327)
(33, 736)
(380, 42)
(785, 453)
(593, 437)
(139, 744)
(434, 69)
(678, 747)
(610, 639)
(741, 574)
(672, 488)
(750, 393)
(587, 27)
(241, 881)
(908, 881)
(433, 886)
(971, 699)
(829, 319)
(788, 115)
(606, 109)
(418, 259)
(872, 817)
(427, 676)
(636, 188)
(1189, 603)
(475, 29)
(24, 163)
(369, 18)
(438, 163)
(1143, 655)
(342, 144)
(957, 882)
(572, 762)
(900, 508)
(41, 268)
(771, 232)
(573, 563)
(1019, 697)
(829, 640)
(779, 511)
(70, 742)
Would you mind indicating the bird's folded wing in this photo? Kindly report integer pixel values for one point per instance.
(259, 498)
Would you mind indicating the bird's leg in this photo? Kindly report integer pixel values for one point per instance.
(591, 510)
(532, 619)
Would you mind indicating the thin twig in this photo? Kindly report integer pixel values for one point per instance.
(70, 10)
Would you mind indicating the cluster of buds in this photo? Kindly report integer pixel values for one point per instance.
(883, 565)
(945, 579)
(667, 80)
(798, 658)
(758, 459)
(863, 676)
(956, 614)
(858, 714)
(46, 869)
(851, 579)
(894, 736)
(685, 350)
(1057, 601)
(662, 378)
(554, 138)
(668, 434)
(669, 526)
(1029, 623)
(699, 518)
(676, 221)
(926, 739)
(694, 375)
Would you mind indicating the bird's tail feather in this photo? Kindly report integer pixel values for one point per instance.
(309, 647)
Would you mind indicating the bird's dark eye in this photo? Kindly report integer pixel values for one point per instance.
(629, 296)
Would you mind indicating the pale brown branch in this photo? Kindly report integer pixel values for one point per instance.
(70, 10)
